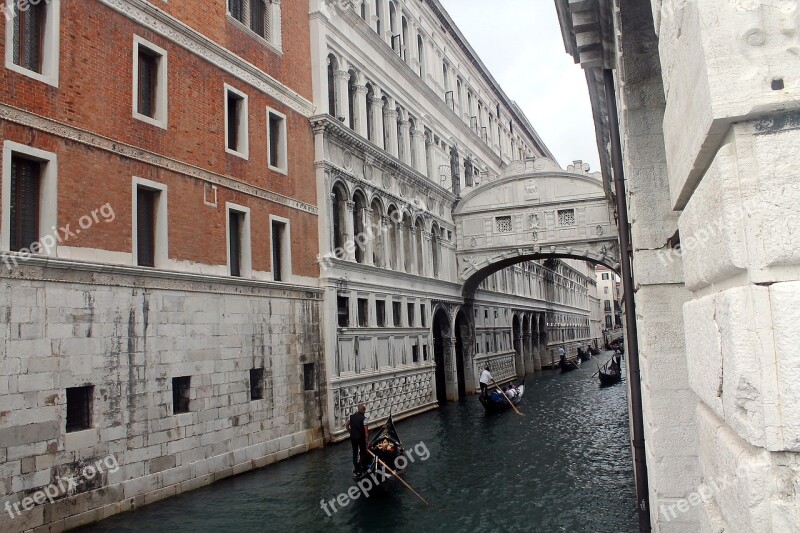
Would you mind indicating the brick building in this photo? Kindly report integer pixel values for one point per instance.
(158, 164)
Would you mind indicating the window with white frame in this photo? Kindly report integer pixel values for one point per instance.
(281, 249)
(276, 141)
(29, 199)
(566, 217)
(238, 238)
(262, 17)
(150, 94)
(150, 235)
(236, 132)
(32, 39)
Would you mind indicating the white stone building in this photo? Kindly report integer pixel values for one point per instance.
(609, 294)
(409, 121)
(709, 107)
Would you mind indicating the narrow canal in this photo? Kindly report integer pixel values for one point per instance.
(563, 466)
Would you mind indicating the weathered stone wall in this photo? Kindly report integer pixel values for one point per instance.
(732, 133)
(128, 335)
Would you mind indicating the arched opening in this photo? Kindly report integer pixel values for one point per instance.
(400, 149)
(404, 48)
(378, 16)
(420, 254)
(421, 55)
(378, 236)
(386, 122)
(359, 226)
(412, 128)
(351, 99)
(391, 235)
(333, 66)
(463, 340)
(339, 225)
(370, 119)
(407, 250)
(441, 342)
(392, 20)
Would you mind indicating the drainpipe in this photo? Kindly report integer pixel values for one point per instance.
(634, 378)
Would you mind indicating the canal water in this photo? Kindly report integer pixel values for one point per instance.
(565, 465)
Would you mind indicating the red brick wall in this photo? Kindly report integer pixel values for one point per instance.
(95, 94)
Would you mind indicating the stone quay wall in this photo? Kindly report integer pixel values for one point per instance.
(128, 334)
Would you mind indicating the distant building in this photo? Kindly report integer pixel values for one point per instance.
(608, 291)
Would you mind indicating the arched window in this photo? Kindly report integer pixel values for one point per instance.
(364, 9)
(391, 235)
(404, 47)
(385, 123)
(400, 150)
(333, 66)
(392, 19)
(378, 258)
(359, 226)
(379, 17)
(370, 121)
(459, 96)
(339, 208)
(407, 243)
(351, 99)
(421, 55)
(420, 248)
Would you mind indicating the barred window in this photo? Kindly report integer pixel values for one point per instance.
(504, 224)
(28, 31)
(566, 217)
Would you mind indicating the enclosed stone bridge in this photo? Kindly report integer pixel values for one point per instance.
(535, 210)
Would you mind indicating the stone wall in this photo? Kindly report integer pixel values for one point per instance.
(69, 325)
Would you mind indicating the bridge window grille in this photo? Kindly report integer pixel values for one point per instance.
(566, 217)
(504, 224)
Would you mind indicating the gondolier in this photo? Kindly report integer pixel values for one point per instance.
(359, 432)
(486, 380)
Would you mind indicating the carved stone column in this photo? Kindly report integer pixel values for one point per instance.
(376, 108)
(401, 245)
(342, 78)
(430, 159)
(360, 112)
(418, 139)
(390, 123)
(427, 257)
(386, 227)
(405, 140)
(413, 248)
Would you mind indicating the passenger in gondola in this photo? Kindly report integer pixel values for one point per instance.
(359, 432)
(486, 380)
(511, 391)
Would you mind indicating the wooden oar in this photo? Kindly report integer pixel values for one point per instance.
(514, 407)
(395, 475)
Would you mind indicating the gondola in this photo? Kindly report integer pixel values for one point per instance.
(594, 351)
(584, 356)
(386, 445)
(609, 376)
(568, 365)
(495, 402)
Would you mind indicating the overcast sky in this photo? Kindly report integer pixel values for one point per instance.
(520, 42)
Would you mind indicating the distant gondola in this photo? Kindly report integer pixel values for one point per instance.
(495, 401)
(387, 446)
(584, 356)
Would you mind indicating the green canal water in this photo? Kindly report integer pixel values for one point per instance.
(563, 466)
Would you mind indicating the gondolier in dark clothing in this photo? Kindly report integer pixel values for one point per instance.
(359, 432)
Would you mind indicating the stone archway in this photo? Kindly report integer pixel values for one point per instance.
(441, 352)
(463, 345)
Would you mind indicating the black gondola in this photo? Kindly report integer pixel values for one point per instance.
(385, 445)
(610, 374)
(594, 351)
(584, 356)
(495, 401)
(568, 365)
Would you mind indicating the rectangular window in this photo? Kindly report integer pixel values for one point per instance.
(380, 313)
(236, 136)
(605, 276)
(608, 306)
(262, 17)
(411, 316)
(566, 217)
(235, 241)
(396, 312)
(150, 93)
(343, 311)
(309, 377)
(256, 384)
(415, 353)
(276, 137)
(79, 408)
(363, 312)
(424, 352)
(503, 224)
(180, 394)
(281, 264)
(24, 208)
(145, 227)
(32, 39)
(423, 315)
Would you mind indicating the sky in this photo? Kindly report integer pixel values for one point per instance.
(520, 43)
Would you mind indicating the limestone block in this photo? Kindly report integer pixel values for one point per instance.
(704, 351)
(719, 60)
(785, 299)
(711, 225)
